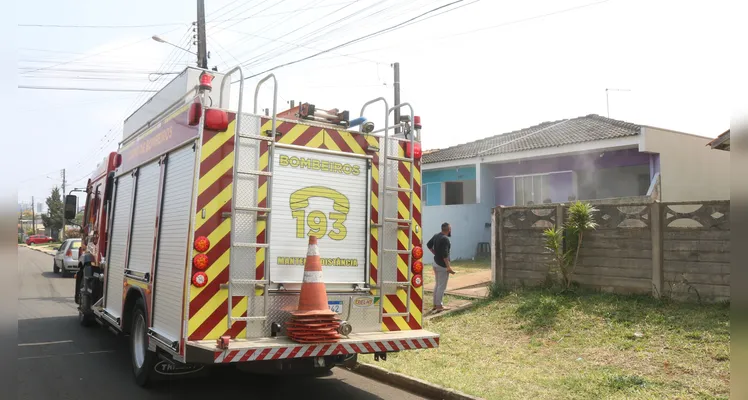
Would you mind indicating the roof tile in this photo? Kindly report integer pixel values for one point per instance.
(547, 134)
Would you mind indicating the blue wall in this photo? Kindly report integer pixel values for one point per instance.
(432, 179)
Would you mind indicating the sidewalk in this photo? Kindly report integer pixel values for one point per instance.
(474, 284)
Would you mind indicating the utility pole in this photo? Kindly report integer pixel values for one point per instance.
(63, 206)
(202, 51)
(33, 215)
(396, 67)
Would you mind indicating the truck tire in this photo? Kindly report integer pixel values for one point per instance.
(85, 315)
(143, 360)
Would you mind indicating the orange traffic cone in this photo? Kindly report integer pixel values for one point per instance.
(313, 321)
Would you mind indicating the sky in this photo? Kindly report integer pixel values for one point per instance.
(478, 69)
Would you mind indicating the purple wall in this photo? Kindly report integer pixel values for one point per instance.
(610, 159)
(562, 184)
(504, 191)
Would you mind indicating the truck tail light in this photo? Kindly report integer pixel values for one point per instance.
(200, 279)
(200, 261)
(196, 110)
(202, 244)
(416, 281)
(417, 267)
(416, 151)
(417, 252)
(216, 120)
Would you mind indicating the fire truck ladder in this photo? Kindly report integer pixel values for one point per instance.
(402, 224)
(238, 210)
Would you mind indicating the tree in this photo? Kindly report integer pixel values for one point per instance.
(580, 219)
(27, 214)
(53, 219)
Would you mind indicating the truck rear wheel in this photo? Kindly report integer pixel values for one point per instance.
(85, 315)
(143, 360)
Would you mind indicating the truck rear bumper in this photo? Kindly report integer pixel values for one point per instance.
(279, 348)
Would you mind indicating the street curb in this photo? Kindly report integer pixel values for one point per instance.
(413, 385)
(37, 249)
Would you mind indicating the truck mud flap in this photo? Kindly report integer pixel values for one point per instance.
(166, 369)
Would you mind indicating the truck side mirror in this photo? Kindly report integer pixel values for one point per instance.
(71, 206)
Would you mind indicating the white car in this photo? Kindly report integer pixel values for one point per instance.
(66, 258)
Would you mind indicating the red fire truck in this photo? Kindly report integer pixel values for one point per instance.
(196, 231)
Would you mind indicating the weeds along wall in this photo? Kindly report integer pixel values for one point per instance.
(674, 250)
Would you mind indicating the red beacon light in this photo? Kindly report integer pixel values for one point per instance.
(206, 81)
(417, 122)
(216, 120)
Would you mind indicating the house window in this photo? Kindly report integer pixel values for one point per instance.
(459, 192)
(532, 189)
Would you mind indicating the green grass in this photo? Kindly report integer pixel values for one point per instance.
(540, 344)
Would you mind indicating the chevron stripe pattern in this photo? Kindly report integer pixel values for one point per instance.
(327, 139)
(396, 303)
(320, 350)
(208, 305)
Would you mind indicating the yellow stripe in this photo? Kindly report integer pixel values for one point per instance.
(221, 327)
(351, 142)
(213, 207)
(329, 142)
(263, 161)
(317, 140)
(372, 140)
(216, 142)
(389, 308)
(132, 282)
(206, 310)
(293, 134)
(216, 173)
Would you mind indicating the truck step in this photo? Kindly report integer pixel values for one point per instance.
(256, 137)
(396, 251)
(397, 189)
(252, 209)
(254, 245)
(254, 173)
(403, 159)
(398, 220)
(236, 319)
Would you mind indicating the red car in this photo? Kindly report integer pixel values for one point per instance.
(38, 239)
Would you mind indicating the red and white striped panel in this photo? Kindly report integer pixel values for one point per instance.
(323, 349)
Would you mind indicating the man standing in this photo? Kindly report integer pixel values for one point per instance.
(440, 246)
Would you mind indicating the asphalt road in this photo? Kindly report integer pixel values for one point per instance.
(59, 359)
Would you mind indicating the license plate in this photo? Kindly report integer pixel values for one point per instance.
(335, 306)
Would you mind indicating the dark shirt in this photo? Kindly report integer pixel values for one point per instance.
(440, 245)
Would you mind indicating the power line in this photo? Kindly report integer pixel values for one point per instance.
(95, 54)
(84, 89)
(98, 26)
(501, 25)
(388, 29)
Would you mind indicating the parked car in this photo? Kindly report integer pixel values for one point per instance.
(38, 239)
(66, 258)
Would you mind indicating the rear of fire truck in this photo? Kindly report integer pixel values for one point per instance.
(210, 218)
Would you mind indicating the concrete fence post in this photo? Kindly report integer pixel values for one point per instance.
(494, 244)
(500, 274)
(656, 230)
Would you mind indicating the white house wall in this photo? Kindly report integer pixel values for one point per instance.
(468, 220)
(689, 169)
